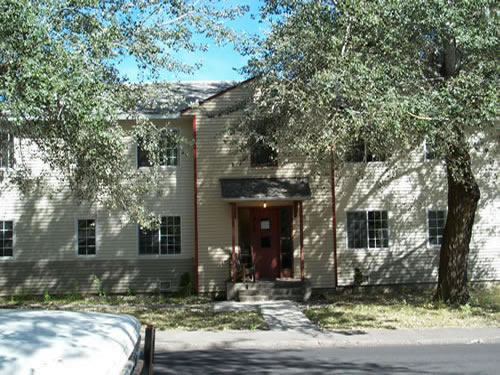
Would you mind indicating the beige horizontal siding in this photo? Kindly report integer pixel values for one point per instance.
(45, 231)
(216, 160)
(405, 186)
(115, 275)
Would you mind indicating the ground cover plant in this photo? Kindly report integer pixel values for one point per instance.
(163, 312)
(404, 309)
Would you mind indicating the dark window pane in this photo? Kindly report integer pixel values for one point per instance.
(265, 242)
(262, 155)
(356, 230)
(6, 150)
(356, 153)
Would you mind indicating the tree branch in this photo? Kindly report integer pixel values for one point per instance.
(426, 118)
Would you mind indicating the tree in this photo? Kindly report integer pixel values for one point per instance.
(61, 91)
(395, 72)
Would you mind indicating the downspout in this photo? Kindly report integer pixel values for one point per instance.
(301, 217)
(334, 217)
(196, 275)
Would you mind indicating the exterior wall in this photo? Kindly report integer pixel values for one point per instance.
(407, 188)
(44, 223)
(216, 160)
(45, 256)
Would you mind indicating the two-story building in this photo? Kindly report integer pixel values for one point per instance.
(384, 218)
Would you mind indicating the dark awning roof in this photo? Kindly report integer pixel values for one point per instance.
(269, 189)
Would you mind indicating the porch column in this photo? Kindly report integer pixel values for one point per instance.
(301, 215)
(233, 254)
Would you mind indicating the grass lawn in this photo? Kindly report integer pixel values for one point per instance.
(411, 309)
(187, 313)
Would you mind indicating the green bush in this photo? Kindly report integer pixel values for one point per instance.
(186, 287)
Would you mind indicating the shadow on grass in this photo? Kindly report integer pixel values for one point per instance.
(406, 309)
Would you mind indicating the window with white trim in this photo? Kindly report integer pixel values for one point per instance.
(167, 150)
(6, 238)
(165, 240)
(360, 152)
(6, 150)
(436, 220)
(86, 237)
(367, 229)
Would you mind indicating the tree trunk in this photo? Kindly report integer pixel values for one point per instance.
(463, 197)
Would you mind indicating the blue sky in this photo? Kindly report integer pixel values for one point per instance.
(219, 62)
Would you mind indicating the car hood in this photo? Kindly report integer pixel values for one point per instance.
(63, 342)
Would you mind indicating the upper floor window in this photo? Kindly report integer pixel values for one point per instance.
(167, 150)
(166, 240)
(86, 237)
(436, 219)
(262, 155)
(360, 152)
(367, 229)
(429, 151)
(6, 150)
(6, 238)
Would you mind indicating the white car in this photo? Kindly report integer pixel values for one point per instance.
(36, 342)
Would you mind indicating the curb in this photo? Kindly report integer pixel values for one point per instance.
(268, 340)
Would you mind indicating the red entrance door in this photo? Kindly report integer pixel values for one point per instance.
(266, 242)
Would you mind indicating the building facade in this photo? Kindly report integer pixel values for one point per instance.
(378, 219)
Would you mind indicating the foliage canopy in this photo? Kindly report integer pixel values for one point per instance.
(391, 73)
(61, 91)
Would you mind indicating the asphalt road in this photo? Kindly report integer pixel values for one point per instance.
(429, 359)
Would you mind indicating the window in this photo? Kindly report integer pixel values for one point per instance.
(166, 240)
(168, 150)
(436, 220)
(360, 152)
(6, 238)
(367, 229)
(6, 150)
(86, 237)
(262, 155)
(430, 153)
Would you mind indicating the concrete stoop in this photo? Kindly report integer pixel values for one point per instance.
(295, 290)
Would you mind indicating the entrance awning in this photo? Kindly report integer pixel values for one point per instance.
(265, 189)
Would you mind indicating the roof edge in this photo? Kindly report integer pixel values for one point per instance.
(201, 102)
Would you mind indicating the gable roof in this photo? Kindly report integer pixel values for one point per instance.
(168, 100)
(182, 95)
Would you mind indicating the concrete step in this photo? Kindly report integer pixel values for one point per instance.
(297, 290)
(260, 298)
(273, 292)
(271, 285)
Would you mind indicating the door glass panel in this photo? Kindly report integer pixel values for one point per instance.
(265, 242)
(265, 224)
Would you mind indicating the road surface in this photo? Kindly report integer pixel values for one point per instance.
(395, 360)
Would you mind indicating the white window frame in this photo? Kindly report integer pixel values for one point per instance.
(8, 258)
(346, 226)
(365, 156)
(179, 153)
(427, 236)
(86, 256)
(138, 233)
